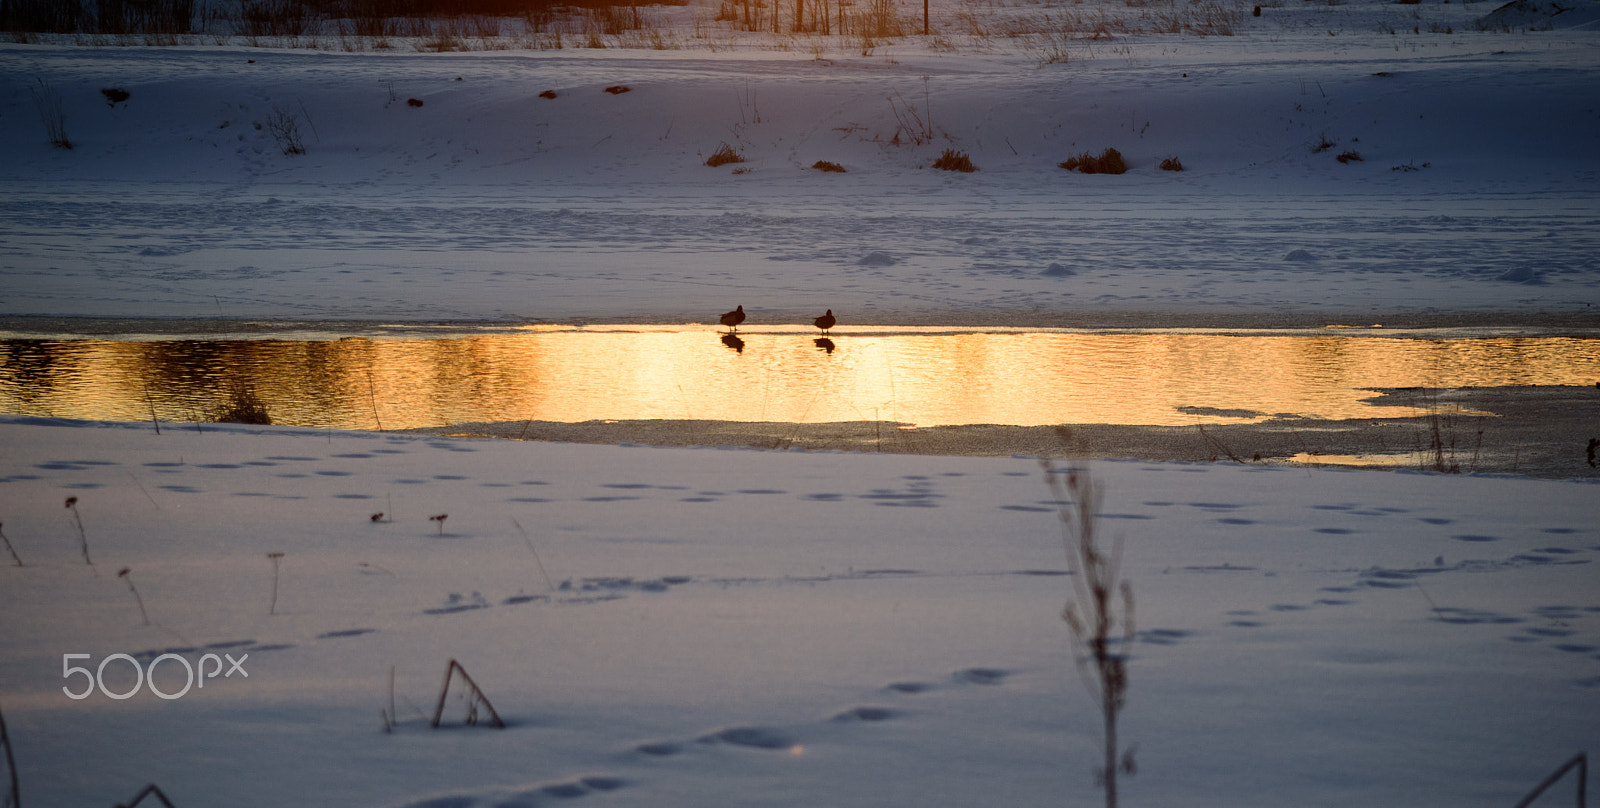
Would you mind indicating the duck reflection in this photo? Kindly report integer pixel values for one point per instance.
(732, 341)
(824, 343)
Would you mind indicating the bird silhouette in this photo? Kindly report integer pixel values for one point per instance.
(733, 318)
(825, 322)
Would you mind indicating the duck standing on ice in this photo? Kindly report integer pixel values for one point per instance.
(825, 322)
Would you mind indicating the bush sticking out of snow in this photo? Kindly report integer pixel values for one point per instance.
(413, 102)
(824, 165)
(114, 95)
(1348, 157)
(1109, 162)
(1171, 164)
(285, 129)
(953, 160)
(48, 102)
(548, 94)
(618, 89)
(724, 155)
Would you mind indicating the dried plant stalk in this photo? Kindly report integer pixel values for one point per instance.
(1100, 612)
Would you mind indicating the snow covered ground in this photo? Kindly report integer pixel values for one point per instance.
(682, 627)
(691, 627)
(1474, 195)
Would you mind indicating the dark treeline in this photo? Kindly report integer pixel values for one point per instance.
(98, 16)
(252, 17)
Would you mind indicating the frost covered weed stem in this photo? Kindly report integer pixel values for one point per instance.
(14, 795)
(124, 575)
(272, 608)
(9, 548)
(77, 521)
(1100, 608)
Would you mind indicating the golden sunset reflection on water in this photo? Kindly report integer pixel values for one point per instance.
(922, 377)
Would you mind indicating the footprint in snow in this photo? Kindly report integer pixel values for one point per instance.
(658, 749)
(348, 632)
(982, 676)
(866, 714)
(769, 738)
(1472, 617)
(1163, 636)
(526, 797)
(218, 646)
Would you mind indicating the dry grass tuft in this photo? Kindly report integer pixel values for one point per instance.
(953, 160)
(1109, 162)
(824, 165)
(724, 155)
